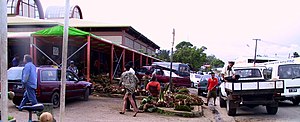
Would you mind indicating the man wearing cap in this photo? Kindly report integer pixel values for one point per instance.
(228, 71)
(211, 87)
(73, 68)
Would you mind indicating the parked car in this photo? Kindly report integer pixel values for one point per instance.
(141, 72)
(202, 85)
(163, 76)
(195, 79)
(48, 85)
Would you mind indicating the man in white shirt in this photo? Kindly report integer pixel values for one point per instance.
(227, 70)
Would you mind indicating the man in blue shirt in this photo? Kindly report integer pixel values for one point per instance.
(29, 81)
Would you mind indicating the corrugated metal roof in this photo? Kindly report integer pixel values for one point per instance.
(74, 22)
(19, 20)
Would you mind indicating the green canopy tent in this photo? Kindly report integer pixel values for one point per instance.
(57, 31)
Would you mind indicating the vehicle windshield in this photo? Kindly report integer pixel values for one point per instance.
(167, 73)
(248, 73)
(289, 71)
(14, 73)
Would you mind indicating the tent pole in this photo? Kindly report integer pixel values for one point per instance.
(133, 59)
(141, 61)
(31, 46)
(64, 62)
(111, 63)
(3, 59)
(123, 64)
(88, 58)
(34, 52)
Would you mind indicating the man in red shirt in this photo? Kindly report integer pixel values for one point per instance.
(211, 87)
(153, 87)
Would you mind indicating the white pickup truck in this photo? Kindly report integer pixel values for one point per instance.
(251, 89)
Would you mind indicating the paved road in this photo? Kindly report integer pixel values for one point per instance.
(286, 112)
(102, 109)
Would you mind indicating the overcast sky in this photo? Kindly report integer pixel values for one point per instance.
(225, 27)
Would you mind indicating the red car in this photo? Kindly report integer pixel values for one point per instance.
(163, 76)
(48, 85)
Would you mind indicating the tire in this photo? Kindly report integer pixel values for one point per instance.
(86, 94)
(230, 111)
(272, 110)
(192, 85)
(55, 99)
(295, 101)
(222, 101)
(16, 101)
(200, 93)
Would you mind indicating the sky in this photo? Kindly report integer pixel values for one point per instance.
(226, 27)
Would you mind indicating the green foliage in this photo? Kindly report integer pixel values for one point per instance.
(183, 44)
(296, 55)
(183, 108)
(181, 96)
(187, 53)
(184, 91)
(164, 55)
(214, 62)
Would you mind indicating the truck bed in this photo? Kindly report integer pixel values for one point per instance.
(252, 87)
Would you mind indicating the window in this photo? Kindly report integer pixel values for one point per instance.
(71, 77)
(248, 73)
(289, 71)
(49, 75)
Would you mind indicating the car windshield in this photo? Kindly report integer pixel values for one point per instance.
(167, 73)
(289, 71)
(14, 73)
(248, 73)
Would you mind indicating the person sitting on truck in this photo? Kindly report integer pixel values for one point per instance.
(211, 87)
(228, 71)
(232, 78)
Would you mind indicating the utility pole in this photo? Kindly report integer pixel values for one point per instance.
(171, 60)
(64, 62)
(255, 50)
(3, 59)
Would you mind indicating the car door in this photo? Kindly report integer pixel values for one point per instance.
(78, 88)
(70, 87)
(49, 82)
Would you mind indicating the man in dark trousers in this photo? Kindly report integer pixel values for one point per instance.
(29, 81)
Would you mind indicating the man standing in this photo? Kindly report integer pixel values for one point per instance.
(73, 68)
(15, 61)
(29, 81)
(211, 87)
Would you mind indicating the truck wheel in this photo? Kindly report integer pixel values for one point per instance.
(55, 99)
(86, 94)
(200, 93)
(222, 101)
(296, 101)
(272, 110)
(230, 111)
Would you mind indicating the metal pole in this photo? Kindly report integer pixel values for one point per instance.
(3, 58)
(255, 50)
(171, 60)
(64, 62)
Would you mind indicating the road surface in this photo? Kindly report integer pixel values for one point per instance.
(286, 113)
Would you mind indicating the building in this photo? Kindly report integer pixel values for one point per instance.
(112, 45)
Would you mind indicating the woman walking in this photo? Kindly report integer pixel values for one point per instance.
(129, 81)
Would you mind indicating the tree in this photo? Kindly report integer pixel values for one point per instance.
(164, 55)
(296, 55)
(183, 44)
(214, 62)
(187, 53)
